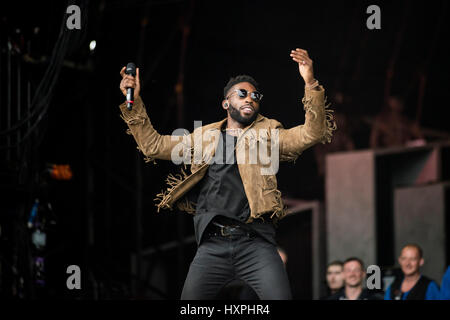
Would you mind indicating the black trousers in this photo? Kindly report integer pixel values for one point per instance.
(220, 260)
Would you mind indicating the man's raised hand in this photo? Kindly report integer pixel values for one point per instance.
(305, 64)
(129, 81)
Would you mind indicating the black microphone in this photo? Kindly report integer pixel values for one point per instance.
(131, 70)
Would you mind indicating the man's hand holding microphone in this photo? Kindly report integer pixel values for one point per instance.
(130, 84)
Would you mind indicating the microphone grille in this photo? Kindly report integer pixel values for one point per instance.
(131, 69)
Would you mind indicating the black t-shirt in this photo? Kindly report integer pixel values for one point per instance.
(222, 193)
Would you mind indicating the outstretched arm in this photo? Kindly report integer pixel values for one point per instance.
(319, 123)
(149, 141)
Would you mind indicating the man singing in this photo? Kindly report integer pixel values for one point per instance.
(232, 188)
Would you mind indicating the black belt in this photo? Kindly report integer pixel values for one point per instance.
(217, 229)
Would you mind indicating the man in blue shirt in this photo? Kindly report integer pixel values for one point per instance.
(413, 285)
(445, 285)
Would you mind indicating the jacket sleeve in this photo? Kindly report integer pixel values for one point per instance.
(149, 141)
(318, 127)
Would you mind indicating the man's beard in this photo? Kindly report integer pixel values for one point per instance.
(236, 115)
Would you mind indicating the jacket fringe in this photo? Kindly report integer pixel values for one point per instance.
(280, 210)
(307, 106)
(330, 123)
(164, 196)
(187, 206)
(291, 157)
(136, 119)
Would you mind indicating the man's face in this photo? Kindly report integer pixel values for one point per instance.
(335, 277)
(410, 261)
(242, 110)
(353, 274)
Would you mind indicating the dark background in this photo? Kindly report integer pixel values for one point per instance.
(106, 211)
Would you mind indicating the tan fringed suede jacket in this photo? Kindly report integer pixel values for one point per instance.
(198, 150)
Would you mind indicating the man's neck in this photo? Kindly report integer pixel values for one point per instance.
(412, 277)
(233, 127)
(352, 293)
(233, 124)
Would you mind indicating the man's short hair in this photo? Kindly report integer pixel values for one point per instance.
(416, 246)
(361, 263)
(238, 79)
(335, 263)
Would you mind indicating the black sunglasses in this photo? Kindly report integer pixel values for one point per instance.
(242, 93)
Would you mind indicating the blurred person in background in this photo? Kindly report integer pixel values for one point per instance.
(354, 275)
(392, 128)
(412, 285)
(335, 278)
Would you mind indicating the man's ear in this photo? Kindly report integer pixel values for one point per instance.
(422, 261)
(225, 104)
